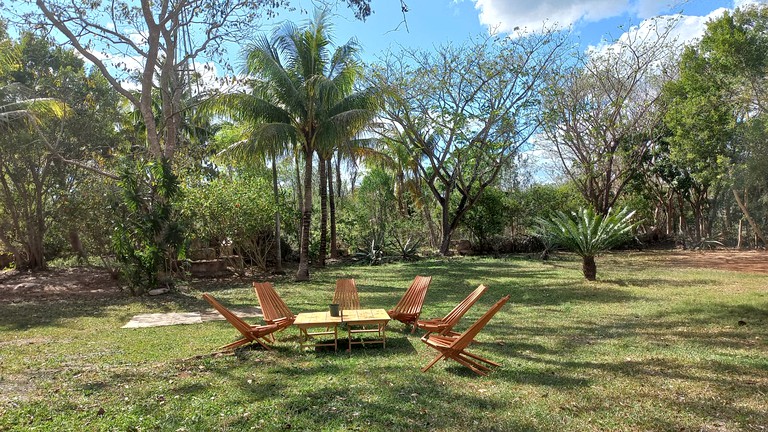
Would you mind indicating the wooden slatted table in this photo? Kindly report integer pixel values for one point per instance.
(373, 321)
(309, 320)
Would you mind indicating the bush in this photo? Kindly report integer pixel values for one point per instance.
(489, 216)
(238, 211)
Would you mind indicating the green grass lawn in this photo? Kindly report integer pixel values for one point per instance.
(645, 348)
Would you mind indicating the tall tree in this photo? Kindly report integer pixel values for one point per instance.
(718, 107)
(601, 113)
(311, 99)
(463, 112)
(34, 185)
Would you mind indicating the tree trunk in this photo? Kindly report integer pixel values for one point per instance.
(35, 256)
(352, 180)
(299, 195)
(36, 231)
(589, 268)
(740, 234)
(445, 223)
(399, 185)
(755, 227)
(323, 174)
(278, 246)
(332, 211)
(77, 245)
(338, 175)
(306, 219)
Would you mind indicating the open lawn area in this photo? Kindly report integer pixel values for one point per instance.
(650, 346)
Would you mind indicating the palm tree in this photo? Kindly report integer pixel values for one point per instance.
(588, 233)
(306, 98)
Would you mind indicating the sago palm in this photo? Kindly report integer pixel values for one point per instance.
(587, 233)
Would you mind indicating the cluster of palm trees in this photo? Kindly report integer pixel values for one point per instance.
(301, 98)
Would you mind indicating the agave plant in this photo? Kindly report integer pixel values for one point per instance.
(587, 233)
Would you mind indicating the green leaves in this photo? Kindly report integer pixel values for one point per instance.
(586, 232)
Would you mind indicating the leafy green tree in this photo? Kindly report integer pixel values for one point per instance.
(587, 233)
(489, 216)
(715, 106)
(66, 116)
(160, 42)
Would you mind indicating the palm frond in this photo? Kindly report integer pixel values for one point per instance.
(586, 232)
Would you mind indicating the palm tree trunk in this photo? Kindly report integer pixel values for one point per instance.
(322, 172)
(306, 219)
(338, 174)
(589, 268)
(332, 209)
(299, 195)
(278, 248)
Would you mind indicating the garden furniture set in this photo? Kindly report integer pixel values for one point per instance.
(345, 311)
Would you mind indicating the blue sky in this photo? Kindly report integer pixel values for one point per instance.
(434, 22)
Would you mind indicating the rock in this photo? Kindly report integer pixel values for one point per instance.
(158, 291)
(24, 286)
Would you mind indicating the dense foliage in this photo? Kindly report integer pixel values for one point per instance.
(422, 152)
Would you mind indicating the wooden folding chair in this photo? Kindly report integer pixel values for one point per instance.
(346, 294)
(445, 325)
(273, 307)
(455, 347)
(251, 333)
(408, 308)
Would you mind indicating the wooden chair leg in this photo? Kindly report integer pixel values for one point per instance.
(234, 344)
(432, 363)
(474, 363)
(477, 357)
(470, 365)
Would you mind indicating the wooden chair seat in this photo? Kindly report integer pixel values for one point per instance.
(346, 294)
(272, 306)
(455, 347)
(250, 333)
(445, 325)
(408, 308)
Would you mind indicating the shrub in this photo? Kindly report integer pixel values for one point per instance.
(587, 233)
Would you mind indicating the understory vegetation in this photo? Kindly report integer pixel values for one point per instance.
(648, 347)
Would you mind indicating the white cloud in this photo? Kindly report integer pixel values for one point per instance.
(741, 3)
(506, 15)
(685, 29)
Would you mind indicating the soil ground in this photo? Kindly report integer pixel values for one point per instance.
(83, 282)
(753, 261)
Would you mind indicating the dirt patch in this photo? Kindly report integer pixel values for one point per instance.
(58, 284)
(755, 261)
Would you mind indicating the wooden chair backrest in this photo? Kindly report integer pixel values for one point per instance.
(346, 294)
(272, 306)
(468, 336)
(241, 326)
(413, 299)
(455, 315)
